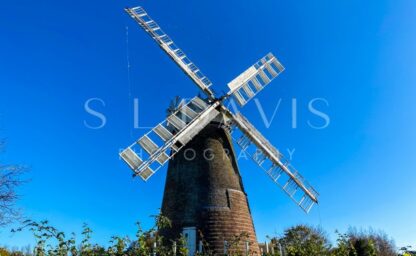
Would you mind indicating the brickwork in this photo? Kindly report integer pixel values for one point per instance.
(204, 190)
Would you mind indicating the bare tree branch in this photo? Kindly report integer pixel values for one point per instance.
(11, 177)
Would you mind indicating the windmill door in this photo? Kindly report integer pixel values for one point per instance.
(190, 236)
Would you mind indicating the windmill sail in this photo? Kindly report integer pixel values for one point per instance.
(155, 148)
(254, 79)
(174, 52)
(150, 152)
(273, 163)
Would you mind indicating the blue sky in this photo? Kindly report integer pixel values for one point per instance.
(357, 55)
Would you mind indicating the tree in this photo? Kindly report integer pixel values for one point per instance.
(370, 242)
(384, 245)
(344, 246)
(304, 240)
(363, 247)
(364, 243)
(10, 179)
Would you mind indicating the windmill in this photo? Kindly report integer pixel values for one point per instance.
(203, 190)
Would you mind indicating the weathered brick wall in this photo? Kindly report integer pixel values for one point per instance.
(219, 224)
(204, 190)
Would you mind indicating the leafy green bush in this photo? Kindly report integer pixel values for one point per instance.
(300, 240)
(52, 242)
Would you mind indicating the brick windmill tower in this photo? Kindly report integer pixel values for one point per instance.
(204, 196)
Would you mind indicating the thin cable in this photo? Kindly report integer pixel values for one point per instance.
(129, 77)
(319, 216)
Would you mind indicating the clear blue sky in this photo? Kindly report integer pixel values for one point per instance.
(357, 55)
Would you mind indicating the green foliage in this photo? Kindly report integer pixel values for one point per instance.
(365, 243)
(141, 245)
(300, 240)
(52, 242)
(86, 247)
(406, 251)
(183, 250)
(4, 252)
(238, 242)
(303, 240)
(119, 245)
